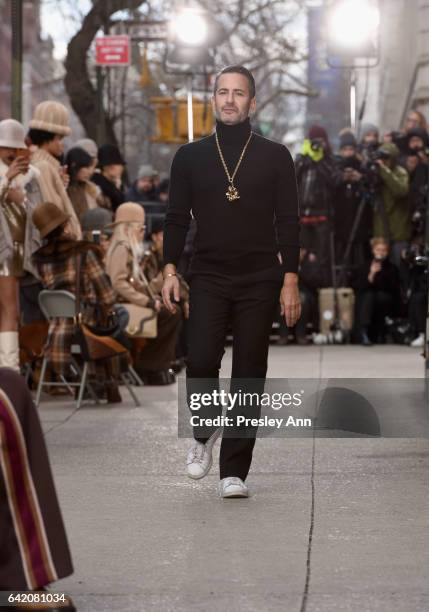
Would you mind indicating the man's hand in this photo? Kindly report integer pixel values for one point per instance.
(19, 166)
(290, 302)
(170, 288)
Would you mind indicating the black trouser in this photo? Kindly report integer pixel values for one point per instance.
(248, 304)
(373, 306)
(315, 238)
(417, 309)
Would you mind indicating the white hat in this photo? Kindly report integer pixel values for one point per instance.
(87, 145)
(12, 134)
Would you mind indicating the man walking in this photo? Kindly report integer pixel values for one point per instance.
(241, 190)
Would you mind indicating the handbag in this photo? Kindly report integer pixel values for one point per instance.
(143, 321)
(93, 347)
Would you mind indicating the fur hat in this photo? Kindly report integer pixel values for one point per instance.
(47, 216)
(128, 212)
(51, 117)
(12, 134)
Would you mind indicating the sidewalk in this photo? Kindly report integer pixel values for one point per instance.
(349, 518)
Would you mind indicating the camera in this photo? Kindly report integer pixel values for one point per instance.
(317, 144)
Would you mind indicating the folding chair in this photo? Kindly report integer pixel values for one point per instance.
(59, 303)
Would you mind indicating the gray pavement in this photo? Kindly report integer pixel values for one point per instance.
(332, 524)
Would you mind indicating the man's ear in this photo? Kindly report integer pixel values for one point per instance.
(252, 108)
(212, 99)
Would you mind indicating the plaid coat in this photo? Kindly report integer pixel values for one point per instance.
(56, 263)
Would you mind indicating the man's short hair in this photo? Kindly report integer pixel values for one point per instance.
(238, 69)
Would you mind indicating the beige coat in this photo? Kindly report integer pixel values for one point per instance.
(52, 186)
(119, 266)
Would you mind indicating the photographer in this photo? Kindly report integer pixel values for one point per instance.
(348, 197)
(369, 141)
(392, 215)
(416, 160)
(377, 294)
(317, 177)
(414, 269)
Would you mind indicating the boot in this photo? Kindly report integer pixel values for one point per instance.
(112, 394)
(9, 350)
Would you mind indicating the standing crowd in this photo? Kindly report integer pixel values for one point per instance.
(363, 227)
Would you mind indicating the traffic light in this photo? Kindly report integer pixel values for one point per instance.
(172, 119)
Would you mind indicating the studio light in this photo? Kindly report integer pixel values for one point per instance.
(189, 27)
(353, 24)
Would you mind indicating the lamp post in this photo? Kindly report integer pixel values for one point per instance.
(353, 31)
(189, 30)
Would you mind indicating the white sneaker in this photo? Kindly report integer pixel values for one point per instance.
(419, 341)
(200, 456)
(232, 486)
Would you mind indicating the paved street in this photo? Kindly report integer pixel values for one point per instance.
(332, 524)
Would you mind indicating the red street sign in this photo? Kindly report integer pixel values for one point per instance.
(112, 50)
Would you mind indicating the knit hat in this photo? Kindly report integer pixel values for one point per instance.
(128, 212)
(347, 139)
(367, 128)
(146, 170)
(391, 149)
(317, 131)
(12, 134)
(87, 145)
(95, 219)
(52, 117)
(47, 216)
(109, 155)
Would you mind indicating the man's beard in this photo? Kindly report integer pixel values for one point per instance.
(237, 117)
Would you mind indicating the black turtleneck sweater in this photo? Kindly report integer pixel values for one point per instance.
(245, 235)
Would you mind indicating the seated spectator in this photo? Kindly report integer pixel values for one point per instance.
(109, 178)
(309, 282)
(162, 191)
(378, 294)
(33, 542)
(95, 228)
(124, 268)
(143, 188)
(414, 277)
(83, 194)
(56, 263)
(152, 266)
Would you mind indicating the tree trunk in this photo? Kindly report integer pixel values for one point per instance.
(82, 94)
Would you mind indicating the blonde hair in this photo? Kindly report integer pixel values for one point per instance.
(123, 235)
(379, 240)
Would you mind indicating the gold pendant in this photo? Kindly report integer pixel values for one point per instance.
(232, 193)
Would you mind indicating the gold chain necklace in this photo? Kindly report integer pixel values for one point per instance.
(232, 193)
